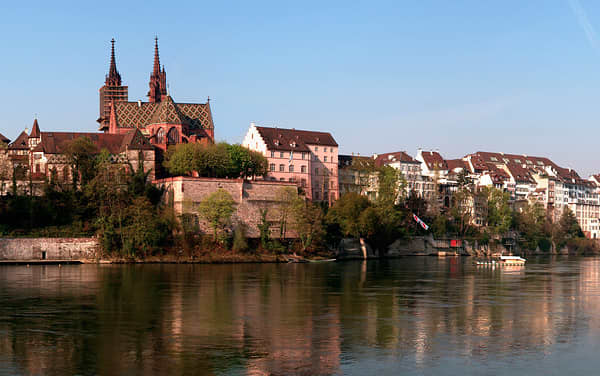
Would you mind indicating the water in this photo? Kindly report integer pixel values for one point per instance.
(408, 316)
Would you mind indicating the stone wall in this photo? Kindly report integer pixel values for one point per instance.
(186, 193)
(48, 248)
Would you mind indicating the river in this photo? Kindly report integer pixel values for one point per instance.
(419, 315)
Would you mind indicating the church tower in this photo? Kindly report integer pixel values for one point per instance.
(158, 79)
(112, 91)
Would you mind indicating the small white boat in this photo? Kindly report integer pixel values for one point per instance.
(503, 260)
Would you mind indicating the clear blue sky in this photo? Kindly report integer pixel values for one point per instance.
(458, 76)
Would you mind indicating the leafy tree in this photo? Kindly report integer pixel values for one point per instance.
(287, 200)
(240, 243)
(217, 209)
(81, 154)
(390, 186)
(346, 213)
(499, 213)
(215, 160)
(568, 227)
(308, 222)
(265, 228)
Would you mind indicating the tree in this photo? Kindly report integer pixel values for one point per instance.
(390, 186)
(220, 160)
(499, 213)
(81, 154)
(461, 210)
(568, 227)
(346, 213)
(308, 222)
(217, 209)
(287, 200)
(181, 159)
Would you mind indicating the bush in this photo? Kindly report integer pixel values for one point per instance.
(240, 243)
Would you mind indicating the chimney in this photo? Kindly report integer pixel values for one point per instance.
(139, 103)
(375, 156)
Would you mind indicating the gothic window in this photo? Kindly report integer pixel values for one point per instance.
(173, 136)
(160, 136)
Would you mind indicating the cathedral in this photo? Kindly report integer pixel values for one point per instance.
(162, 120)
(134, 133)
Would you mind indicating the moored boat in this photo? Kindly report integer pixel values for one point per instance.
(503, 260)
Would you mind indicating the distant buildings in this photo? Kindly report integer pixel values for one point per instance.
(527, 179)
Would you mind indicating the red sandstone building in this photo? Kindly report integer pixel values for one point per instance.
(162, 120)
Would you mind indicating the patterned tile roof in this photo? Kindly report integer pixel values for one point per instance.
(141, 114)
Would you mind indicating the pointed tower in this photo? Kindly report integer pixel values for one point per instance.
(35, 136)
(112, 91)
(158, 78)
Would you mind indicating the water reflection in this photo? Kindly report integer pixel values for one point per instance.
(410, 315)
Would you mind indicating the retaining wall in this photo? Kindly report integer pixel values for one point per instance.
(48, 248)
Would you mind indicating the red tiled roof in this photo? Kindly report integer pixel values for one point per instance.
(399, 156)
(520, 174)
(456, 163)
(21, 143)
(434, 160)
(285, 139)
(4, 139)
(56, 142)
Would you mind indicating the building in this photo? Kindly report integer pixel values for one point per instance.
(307, 158)
(355, 174)
(162, 120)
(538, 179)
(39, 157)
(410, 169)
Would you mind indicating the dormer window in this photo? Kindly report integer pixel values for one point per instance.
(293, 144)
(494, 159)
(276, 142)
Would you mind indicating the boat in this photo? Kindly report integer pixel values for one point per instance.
(503, 260)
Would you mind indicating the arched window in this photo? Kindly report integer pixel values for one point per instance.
(160, 136)
(173, 136)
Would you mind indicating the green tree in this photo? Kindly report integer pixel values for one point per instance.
(287, 201)
(81, 155)
(346, 213)
(499, 213)
(390, 186)
(308, 222)
(217, 209)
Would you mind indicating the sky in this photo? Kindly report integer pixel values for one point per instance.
(454, 76)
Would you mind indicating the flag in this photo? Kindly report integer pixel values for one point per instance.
(291, 157)
(419, 221)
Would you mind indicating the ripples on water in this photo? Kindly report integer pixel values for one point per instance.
(407, 316)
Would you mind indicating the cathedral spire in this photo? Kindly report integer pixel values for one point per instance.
(113, 78)
(158, 78)
(156, 69)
